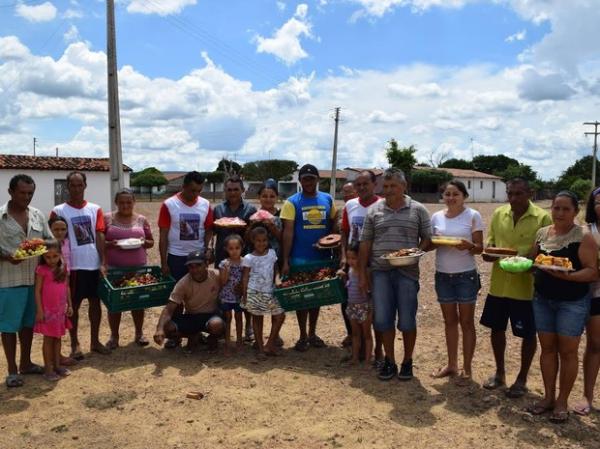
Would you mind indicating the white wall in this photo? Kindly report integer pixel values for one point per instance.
(98, 187)
(481, 190)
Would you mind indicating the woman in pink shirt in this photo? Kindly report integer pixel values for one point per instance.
(122, 224)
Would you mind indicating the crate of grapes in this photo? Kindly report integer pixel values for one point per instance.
(311, 285)
(135, 288)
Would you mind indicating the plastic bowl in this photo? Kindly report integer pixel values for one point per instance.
(516, 267)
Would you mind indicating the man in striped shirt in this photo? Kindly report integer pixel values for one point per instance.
(396, 223)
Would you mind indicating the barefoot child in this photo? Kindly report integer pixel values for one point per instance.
(230, 276)
(53, 304)
(258, 280)
(359, 310)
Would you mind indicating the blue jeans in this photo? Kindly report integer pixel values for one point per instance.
(457, 288)
(394, 295)
(565, 318)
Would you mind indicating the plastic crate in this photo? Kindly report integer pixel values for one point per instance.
(134, 298)
(313, 294)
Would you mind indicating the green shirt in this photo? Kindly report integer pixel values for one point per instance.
(504, 233)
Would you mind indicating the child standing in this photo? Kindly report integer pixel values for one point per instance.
(53, 307)
(359, 310)
(258, 280)
(58, 226)
(230, 275)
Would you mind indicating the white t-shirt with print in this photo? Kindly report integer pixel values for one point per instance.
(261, 271)
(449, 259)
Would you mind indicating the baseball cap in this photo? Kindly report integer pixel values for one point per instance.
(308, 170)
(195, 257)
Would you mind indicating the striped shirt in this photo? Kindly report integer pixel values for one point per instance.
(390, 230)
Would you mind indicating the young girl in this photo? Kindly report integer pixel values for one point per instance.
(53, 306)
(258, 279)
(58, 226)
(359, 310)
(230, 275)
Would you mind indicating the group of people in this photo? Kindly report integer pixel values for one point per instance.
(45, 295)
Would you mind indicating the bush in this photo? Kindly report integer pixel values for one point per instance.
(581, 188)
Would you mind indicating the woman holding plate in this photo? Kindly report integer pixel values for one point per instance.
(128, 236)
(561, 302)
(456, 278)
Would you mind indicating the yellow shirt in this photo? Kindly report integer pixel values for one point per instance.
(504, 233)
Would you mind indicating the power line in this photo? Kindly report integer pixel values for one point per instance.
(595, 134)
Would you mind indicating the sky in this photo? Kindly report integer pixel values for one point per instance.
(256, 79)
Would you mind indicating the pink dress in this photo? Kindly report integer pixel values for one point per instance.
(117, 257)
(65, 250)
(54, 304)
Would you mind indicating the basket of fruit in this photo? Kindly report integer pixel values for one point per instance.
(30, 248)
(135, 288)
(311, 285)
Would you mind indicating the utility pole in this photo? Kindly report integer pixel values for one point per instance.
(334, 158)
(56, 151)
(34, 142)
(595, 134)
(114, 119)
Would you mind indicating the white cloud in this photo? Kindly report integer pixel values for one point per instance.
(280, 6)
(378, 8)
(416, 91)
(285, 43)
(378, 116)
(537, 87)
(72, 34)
(519, 36)
(160, 7)
(71, 13)
(43, 12)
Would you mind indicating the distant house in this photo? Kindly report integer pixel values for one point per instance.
(482, 187)
(174, 181)
(353, 173)
(287, 188)
(50, 176)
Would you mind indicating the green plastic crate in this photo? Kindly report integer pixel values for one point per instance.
(134, 298)
(312, 294)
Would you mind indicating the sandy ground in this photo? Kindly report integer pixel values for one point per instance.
(135, 398)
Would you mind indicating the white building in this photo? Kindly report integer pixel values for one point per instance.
(50, 176)
(482, 187)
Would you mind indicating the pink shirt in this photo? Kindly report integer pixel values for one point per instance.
(117, 257)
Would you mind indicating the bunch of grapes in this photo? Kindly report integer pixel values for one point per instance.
(306, 277)
(30, 248)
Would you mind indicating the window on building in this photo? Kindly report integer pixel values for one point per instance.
(469, 184)
(493, 189)
(61, 194)
(481, 185)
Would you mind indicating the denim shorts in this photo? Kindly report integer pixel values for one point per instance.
(230, 307)
(394, 295)
(567, 318)
(457, 288)
(17, 309)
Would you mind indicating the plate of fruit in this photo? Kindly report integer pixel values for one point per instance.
(403, 257)
(30, 248)
(136, 280)
(306, 277)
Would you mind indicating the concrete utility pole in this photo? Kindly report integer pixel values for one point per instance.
(114, 120)
(595, 134)
(334, 158)
(34, 142)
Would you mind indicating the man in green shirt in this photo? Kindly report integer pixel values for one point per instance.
(513, 226)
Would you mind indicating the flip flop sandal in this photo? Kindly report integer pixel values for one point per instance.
(52, 377)
(78, 355)
(68, 361)
(559, 417)
(316, 342)
(142, 341)
(516, 391)
(582, 410)
(111, 344)
(493, 383)
(444, 372)
(301, 345)
(538, 409)
(63, 372)
(14, 380)
(33, 369)
(101, 350)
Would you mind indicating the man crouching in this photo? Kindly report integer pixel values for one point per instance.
(198, 292)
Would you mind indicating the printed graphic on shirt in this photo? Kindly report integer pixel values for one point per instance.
(189, 226)
(82, 227)
(314, 217)
(355, 227)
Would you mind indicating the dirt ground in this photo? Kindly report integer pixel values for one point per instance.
(135, 398)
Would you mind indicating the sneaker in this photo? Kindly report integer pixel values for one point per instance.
(406, 371)
(388, 370)
(378, 364)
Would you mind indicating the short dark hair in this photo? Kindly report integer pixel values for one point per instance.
(568, 194)
(231, 237)
(369, 173)
(269, 184)
(124, 191)
(235, 179)
(590, 208)
(193, 176)
(518, 180)
(15, 180)
(354, 246)
(55, 219)
(258, 230)
(75, 173)
(459, 185)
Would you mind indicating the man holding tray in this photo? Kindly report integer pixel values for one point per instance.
(514, 226)
(19, 222)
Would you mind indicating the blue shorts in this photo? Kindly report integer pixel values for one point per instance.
(17, 309)
(229, 306)
(566, 318)
(394, 295)
(457, 288)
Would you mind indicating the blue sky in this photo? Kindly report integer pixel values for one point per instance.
(203, 79)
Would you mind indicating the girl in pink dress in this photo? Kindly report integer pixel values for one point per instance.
(53, 307)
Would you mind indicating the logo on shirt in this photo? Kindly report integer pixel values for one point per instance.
(82, 228)
(189, 227)
(315, 215)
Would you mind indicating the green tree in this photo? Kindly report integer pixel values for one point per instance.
(402, 158)
(148, 177)
(582, 188)
(228, 166)
(493, 164)
(214, 176)
(278, 169)
(457, 163)
(581, 169)
(429, 181)
(518, 171)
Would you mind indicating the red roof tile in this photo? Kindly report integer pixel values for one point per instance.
(19, 162)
